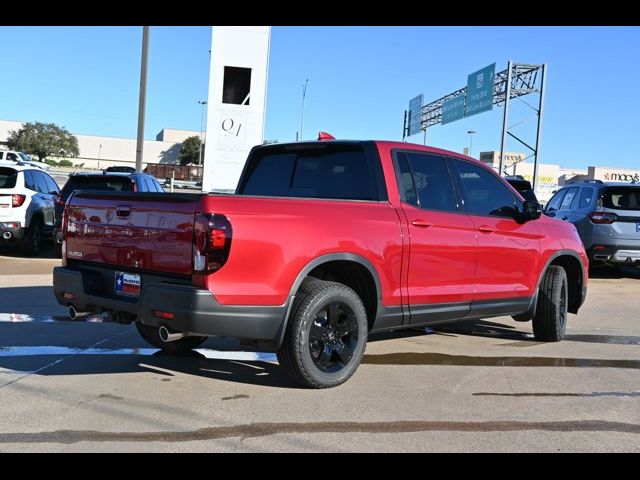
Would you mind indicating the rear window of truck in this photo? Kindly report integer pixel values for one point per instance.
(8, 177)
(345, 172)
(621, 198)
(102, 183)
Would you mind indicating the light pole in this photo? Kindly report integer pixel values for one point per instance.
(143, 98)
(471, 133)
(203, 103)
(99, 152)
(304, 94)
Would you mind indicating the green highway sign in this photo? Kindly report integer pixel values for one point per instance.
(415, 113)
(480, 90)
(453, 109)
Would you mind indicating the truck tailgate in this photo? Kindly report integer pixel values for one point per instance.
(141, 231)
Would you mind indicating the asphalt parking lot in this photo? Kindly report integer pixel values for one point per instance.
(474, 386)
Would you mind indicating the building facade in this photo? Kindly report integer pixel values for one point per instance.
(99, 152)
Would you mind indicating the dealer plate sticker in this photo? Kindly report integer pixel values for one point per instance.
(128, 284)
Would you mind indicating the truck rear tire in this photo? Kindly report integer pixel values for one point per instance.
(152, 336)
(326, 335)
(550, 320)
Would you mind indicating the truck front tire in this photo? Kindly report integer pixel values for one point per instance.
(326, 335)
(550, 320)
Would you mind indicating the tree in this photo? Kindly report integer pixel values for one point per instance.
(190, 151)
(44, 140)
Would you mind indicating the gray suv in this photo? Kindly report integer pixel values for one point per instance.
(606, 215)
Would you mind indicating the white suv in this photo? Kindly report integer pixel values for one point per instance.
(13, 156)
(27, 198)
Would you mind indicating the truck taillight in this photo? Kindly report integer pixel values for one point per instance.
(211, 243)
(17, 200)
(603, 217)
(63, 233)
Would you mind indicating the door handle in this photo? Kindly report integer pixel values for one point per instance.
(421, 223)
(123, 210)
(486, 229)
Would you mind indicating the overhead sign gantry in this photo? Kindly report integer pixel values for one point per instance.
(484, 89)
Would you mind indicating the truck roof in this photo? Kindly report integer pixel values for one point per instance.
(385, 143)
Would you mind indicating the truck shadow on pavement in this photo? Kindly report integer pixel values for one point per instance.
(32, 341)
(47, 251)
(70, 348)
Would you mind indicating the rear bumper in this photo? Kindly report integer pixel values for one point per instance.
(7, 229)
(617, 254)
(194, 310)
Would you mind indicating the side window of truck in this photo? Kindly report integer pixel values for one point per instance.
(424, 181)
(485, 194)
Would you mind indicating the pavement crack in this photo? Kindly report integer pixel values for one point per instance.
(253, 430)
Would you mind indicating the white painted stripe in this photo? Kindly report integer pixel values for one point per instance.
(25, 351)
(21, 317)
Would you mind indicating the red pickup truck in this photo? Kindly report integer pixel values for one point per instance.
(322, 243)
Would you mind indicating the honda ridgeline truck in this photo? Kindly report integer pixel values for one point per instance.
(321, 244)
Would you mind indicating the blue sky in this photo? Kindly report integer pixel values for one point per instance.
(360, 82)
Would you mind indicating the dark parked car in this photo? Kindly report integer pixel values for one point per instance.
(119, 169)
(523, 187)
(104, 182)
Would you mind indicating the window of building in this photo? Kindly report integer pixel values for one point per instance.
(236, 88)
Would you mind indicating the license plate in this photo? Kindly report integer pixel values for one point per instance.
(127, 284)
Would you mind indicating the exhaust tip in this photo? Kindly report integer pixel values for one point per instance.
(167, 335)
(164, 334)
(7, 235)
(72, 313)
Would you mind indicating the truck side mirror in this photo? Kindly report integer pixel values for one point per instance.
(531, 210)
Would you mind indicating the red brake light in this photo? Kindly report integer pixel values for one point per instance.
(603, 217)
(59, 200)
(211, 243)
(322, 136)
(218, 238)
(17, 200)
(163, 314)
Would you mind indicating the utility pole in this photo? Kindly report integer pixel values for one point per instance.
(505, 118)
(539, 128)
(203, 103)
(143, 98)
(304, 94)
(471, 133)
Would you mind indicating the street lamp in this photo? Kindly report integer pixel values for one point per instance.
(471, 133)
(203, 103)
(304, 94)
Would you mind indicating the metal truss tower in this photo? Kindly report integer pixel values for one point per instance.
(517, 80)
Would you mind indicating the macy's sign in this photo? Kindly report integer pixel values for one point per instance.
(622, 177)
